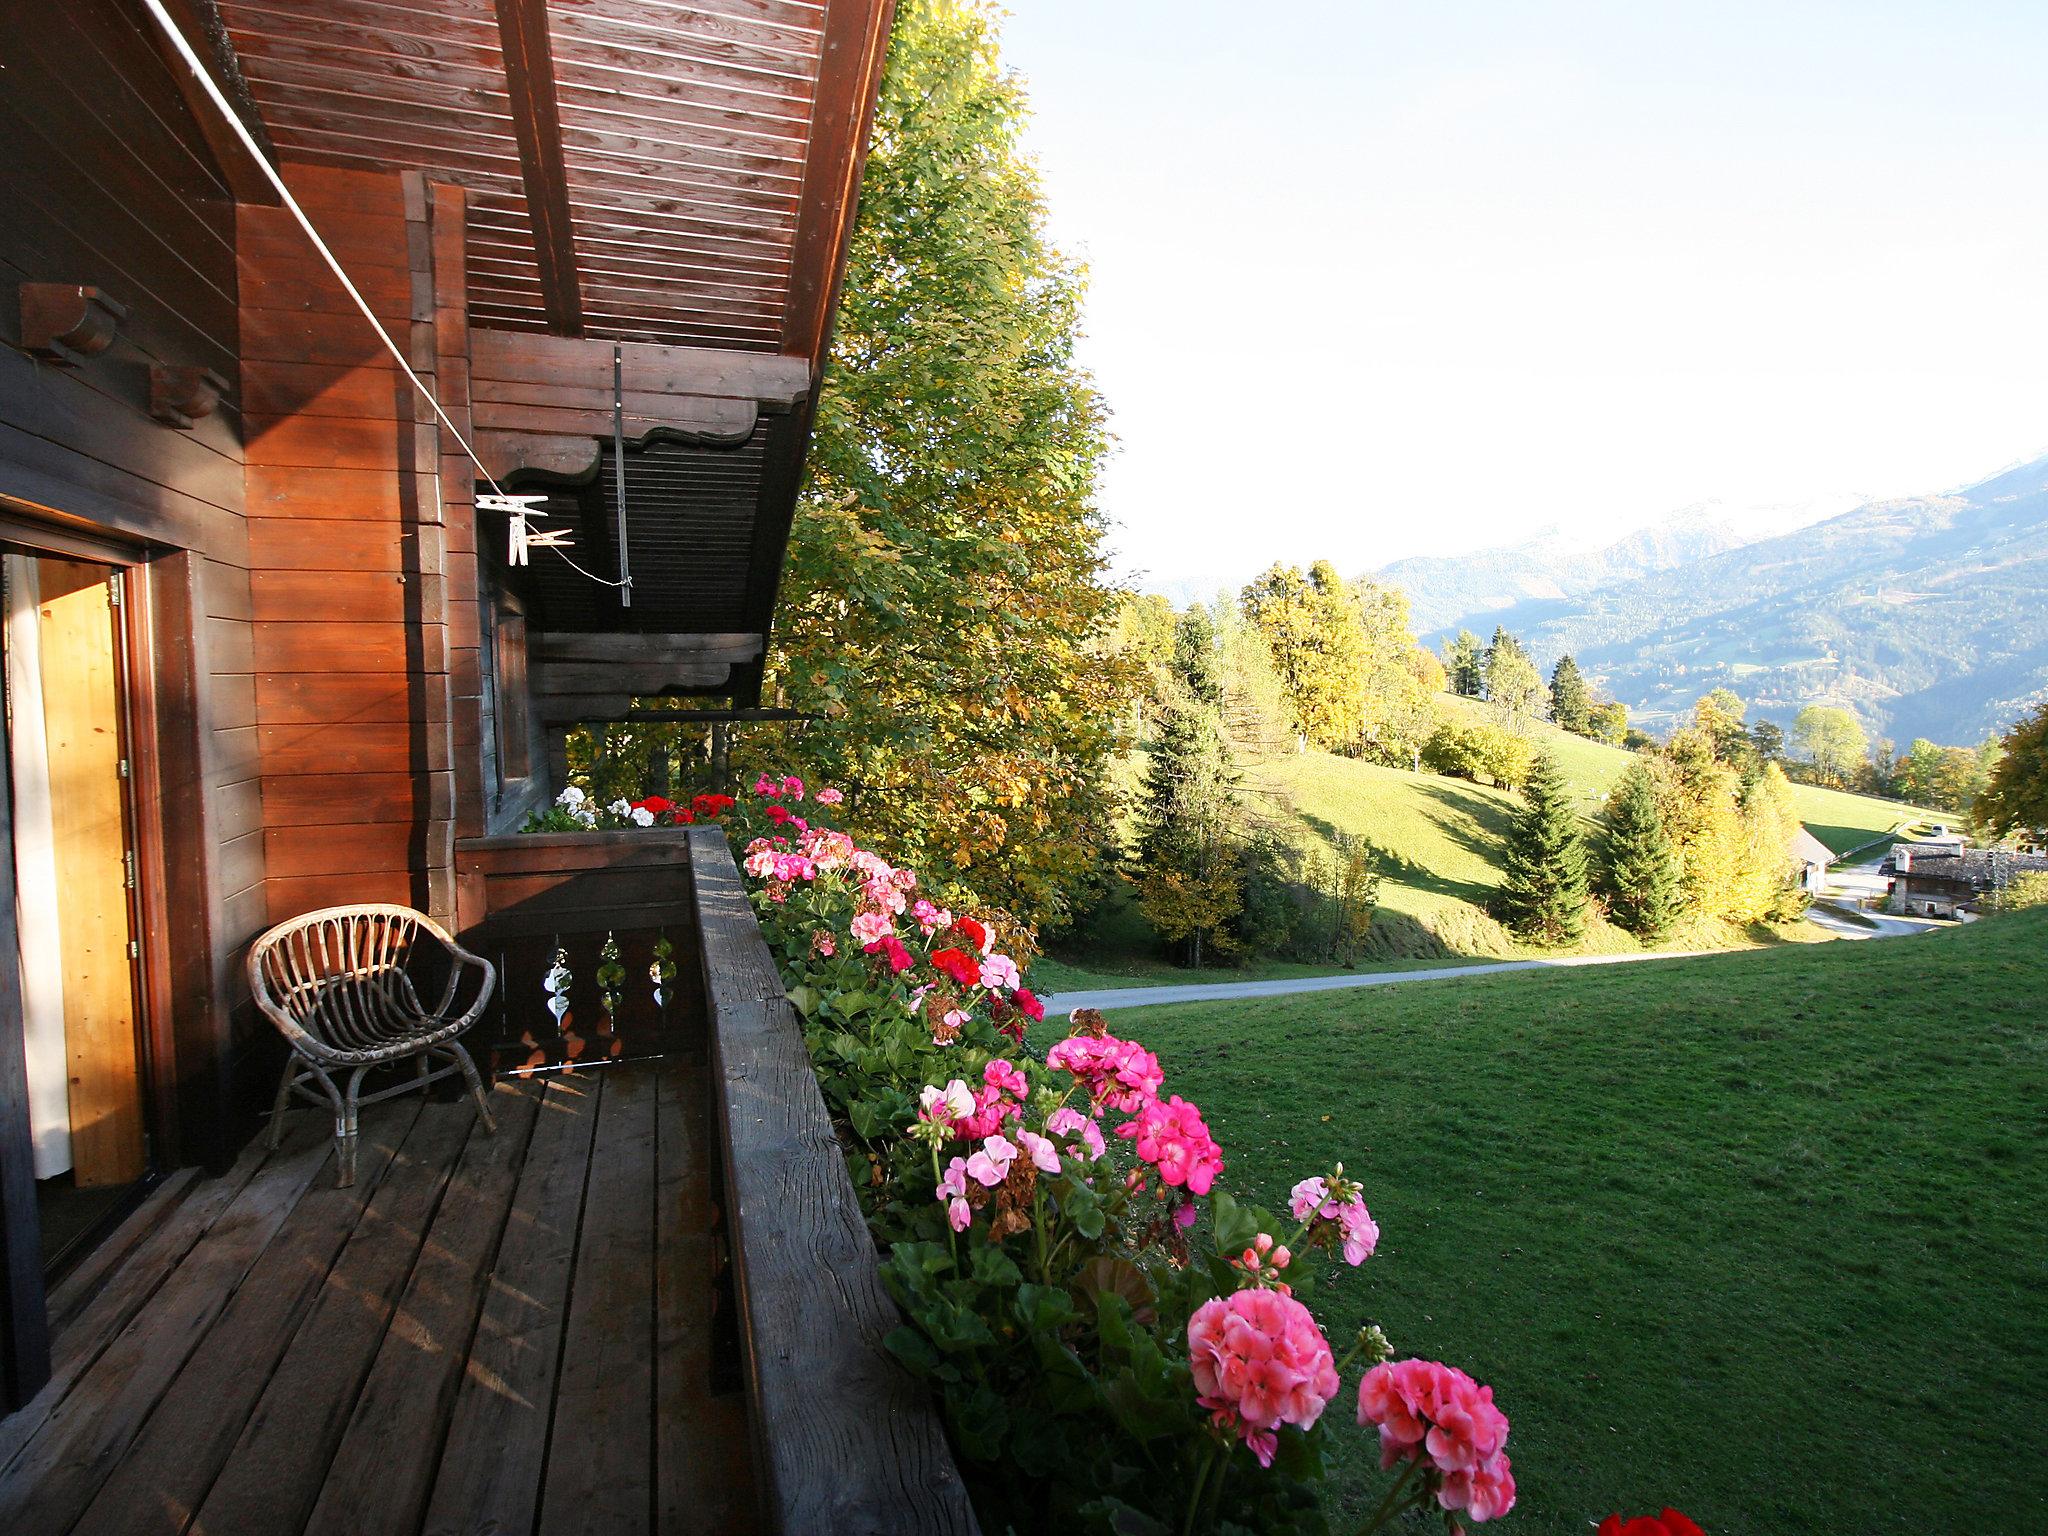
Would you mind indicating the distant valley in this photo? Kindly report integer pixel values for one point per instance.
(1928, 616)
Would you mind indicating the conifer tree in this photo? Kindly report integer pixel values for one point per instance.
(1542, 894)
(1571, 701)
(1639, 874)
(1188, 880)
(1464, 667)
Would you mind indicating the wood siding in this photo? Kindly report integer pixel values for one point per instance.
(108, 182)
(362, 545)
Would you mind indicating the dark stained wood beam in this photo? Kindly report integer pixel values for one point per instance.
(849, 81)
(509, 365)
(200, 21)
(537, 124)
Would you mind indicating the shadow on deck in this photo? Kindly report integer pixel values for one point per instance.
(487, 1334)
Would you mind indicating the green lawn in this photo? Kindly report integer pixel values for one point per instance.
(1758, 1235)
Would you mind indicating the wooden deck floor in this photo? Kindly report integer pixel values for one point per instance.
(494, 1334)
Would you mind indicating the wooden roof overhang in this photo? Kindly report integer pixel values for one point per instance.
(675, 176)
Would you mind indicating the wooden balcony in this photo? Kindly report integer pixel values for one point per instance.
(648, 1303)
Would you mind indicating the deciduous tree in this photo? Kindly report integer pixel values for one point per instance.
(2015, 800)
(1831, 741)
(1513, 685)
(946, 578)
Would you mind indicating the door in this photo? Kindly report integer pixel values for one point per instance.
(73, 879)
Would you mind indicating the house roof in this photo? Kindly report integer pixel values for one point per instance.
(676, 175)
(1808, 849)
(1979, 868)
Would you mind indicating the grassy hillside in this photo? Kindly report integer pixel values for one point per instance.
(1441, 840)
(1756, 1235)
(1837, 818)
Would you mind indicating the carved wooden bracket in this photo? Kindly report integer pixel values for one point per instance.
(68, 323)
(179, 396)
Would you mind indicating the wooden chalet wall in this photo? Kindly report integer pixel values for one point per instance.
(106, 181)
(362, 546)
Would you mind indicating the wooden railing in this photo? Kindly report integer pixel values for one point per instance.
(848, 1442)
(523, 899)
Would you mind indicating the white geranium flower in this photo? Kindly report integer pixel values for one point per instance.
(621, 808)
(642, 817)
(572, 797)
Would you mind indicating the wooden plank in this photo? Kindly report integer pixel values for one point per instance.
(308, 698)
(373, 388)
(365, 848)
(849, 1440)
(344, 597)
(318, 646)
(489, 1477)
(96, 1270)
(346, 747)
(82, 721)
(335, 799)
(537, 124)
(505, 364)
(288, 898)
(167, 1470)
(53, 1479)
(199, 21)
(273, 1476)
(597, 1469)
(320, 442)
(694, 417)
(278, 543)
(559, 646)
(382, 1473)
(703, 1467)
(350, 495)
(98, 1318)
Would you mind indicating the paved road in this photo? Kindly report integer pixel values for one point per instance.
(1226, 991)
(1846, 886)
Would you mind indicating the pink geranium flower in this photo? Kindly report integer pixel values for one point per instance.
(828, 796)
(1429, 1411)
(1173, 1138)
(1119, 1074)
(953, 1195)
(999, 973)
(1260, 1361)
(870, 927)
(1039, 1150)
(1357, 1234)
(793, 787)
(1068, 1121)
(991, 1165)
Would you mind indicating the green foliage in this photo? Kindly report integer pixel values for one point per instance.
(1571, 701)
(1513, 685)
(1478, 751)
(1719, 714)
(1767, 741)
(2024, 892)
(2014, 802)
(1831, 740)
(1189, 880)
(1638, 869)
(1316, 634)
(945, 593)
(1542, 895)
(1464, 664)
(1397, 711)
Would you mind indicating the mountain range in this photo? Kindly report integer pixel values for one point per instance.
(1927, 615)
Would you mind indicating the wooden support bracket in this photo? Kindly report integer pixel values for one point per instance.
(179, 395)
(67, 322)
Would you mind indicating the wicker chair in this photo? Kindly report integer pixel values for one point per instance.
(337, 986)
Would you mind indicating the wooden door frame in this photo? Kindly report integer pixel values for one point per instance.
(183, 1026)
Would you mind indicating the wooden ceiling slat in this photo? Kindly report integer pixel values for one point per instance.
(289, 80)
(782, 29)
(662, 41)
(610, 103)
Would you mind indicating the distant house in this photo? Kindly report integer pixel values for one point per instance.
(1945, 879)
(1813, 857)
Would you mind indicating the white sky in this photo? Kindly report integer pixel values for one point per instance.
(1372, 279)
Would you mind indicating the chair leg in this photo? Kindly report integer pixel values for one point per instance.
(476, 1085)
(345, 1132)
(284, 1097)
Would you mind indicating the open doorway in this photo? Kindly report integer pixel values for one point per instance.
(74, 876)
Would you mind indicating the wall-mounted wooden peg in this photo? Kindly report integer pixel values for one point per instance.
(179, 395)
(68, 323)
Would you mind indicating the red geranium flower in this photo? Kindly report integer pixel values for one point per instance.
(1028, 1004)
(711, 807)
(891, 947)
(1670, 1523)
(956, 967)
(655, 804)
(778, 814)
(976, 934)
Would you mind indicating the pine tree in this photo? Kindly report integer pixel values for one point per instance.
(1463, 666)
(1542, 894)
(1639, 873)
(1571, 701)
(1189, 886)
